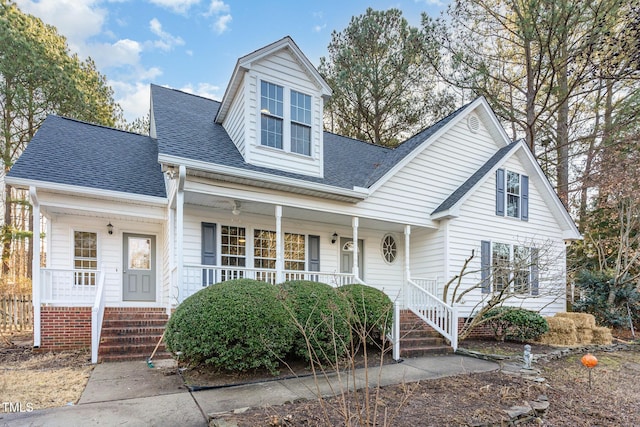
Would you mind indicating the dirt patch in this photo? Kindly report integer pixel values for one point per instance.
(481, 399)
(205, 377)
(37, 380)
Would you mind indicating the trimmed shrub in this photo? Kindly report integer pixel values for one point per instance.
(371, 309)
(321, 315)
(236, 325)
(515, 324)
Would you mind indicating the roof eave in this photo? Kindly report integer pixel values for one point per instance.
(262, 179)
(85, 191)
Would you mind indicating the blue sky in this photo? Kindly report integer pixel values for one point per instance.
(192, 45)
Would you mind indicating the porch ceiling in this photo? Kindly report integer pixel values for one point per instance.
(225, 206)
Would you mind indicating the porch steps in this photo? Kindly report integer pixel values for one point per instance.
(132, 334)
(419, 339)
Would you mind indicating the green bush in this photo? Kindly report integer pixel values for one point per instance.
(371, 309)
(594, 298)
(236, 325)
(321, 315)
(515, 323)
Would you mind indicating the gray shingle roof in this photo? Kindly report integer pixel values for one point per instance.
(186, 128)
(71, 152)
(461, 191)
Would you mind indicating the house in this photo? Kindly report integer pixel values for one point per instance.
(252, 186)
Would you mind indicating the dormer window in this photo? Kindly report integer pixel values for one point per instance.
(290, 132)
(300, 123)
(271, 110)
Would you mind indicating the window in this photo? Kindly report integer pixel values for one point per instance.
(509, 268)
(272, 112)
(500, 256)
(294, 252)
(389, 249)
(300, 123)
(232, 250)
(264, 250)
(85, 257)
(290, 131)
(512, 194)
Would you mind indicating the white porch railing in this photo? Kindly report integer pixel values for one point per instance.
(197, 277)
(439, 315)
(429, 285)
(58, 286)
(97, 314)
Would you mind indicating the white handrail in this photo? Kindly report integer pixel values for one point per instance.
(198, 276)
(97, 314)
(435, 312)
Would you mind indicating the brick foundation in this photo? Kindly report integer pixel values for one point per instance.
(482, 331)
(65, 328)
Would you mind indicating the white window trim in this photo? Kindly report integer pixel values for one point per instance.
(286, 117)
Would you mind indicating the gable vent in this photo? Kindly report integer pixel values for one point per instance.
(474, 123)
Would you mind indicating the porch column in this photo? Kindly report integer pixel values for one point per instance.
(35, 266)
(354, 223)
(182, 174)
(407, 260)
(279, 251)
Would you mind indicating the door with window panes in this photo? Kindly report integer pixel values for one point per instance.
(139, 269)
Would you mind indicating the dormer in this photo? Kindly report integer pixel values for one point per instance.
(272, 109)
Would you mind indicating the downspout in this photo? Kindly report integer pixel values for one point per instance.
(172, 262)
(35, 267)
(182, 174)
(446, 260)
(279, 251)
(356, 271)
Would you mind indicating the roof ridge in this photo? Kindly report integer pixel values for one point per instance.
(358, 140)
(185, 93)
(84, 122)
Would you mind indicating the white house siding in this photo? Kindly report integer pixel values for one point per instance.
(235, 121)
(477, 221)
(427, 254)
(282, 69)
(415, 191)
(377, 273)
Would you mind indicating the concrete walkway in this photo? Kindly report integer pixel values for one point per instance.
(132, 394)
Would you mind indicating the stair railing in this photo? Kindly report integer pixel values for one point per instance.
(97, 314)
(435, 312)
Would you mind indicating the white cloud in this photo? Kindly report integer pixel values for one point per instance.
(118, 54)
(318, 28)
(431, 2)
(217, 7)
(178, 6)
(222, 23)
(77, 20)
(206, 90)
(132, 97)
(167, 41)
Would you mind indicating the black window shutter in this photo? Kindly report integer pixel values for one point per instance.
(485, 266)
(524, 183)
(500, 183)
(535, 272)
(314, 253)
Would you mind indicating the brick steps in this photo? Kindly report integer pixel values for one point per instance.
(419, 339)
(132, 334)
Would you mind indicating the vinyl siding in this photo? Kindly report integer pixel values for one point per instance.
(478, 221)
(416, 190)
(235, 123)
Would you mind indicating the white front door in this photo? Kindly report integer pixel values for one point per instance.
(346, 256)
(139, 267)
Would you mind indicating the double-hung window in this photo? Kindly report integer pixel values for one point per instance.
(285, 116)
(512, 194)
(509, 268)
(85, 258)
(300, 123)
(272, 114)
